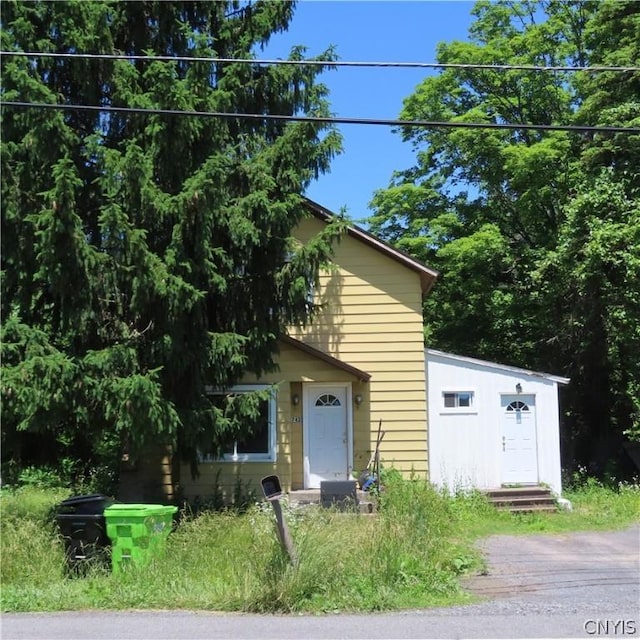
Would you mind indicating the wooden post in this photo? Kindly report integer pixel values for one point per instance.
(283, 533)
(272, 492)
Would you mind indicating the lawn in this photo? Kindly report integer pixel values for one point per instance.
(411, 554)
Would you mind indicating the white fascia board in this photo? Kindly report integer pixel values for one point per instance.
(496, 365)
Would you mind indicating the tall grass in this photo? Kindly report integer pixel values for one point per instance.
(347, 562)
(599, 506)
(593, 506)
(409, 555)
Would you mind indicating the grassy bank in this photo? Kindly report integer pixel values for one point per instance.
(410, 555)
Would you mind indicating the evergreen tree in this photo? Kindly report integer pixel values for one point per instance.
(146, 257)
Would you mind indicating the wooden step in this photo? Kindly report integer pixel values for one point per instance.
(517, 491)
(522, 499)
(530, 508)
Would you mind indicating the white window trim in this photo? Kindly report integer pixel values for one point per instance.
(271, 455)
(458, 410)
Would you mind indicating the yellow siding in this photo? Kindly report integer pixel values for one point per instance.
(295, 367)
(383, 361)
(372, 319)
(149, 478)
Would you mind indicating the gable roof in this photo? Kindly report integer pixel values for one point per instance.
(427, 275)
(363, 376)
(495, 365)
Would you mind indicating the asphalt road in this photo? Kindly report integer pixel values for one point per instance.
(565, 586)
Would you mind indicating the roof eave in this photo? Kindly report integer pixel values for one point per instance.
(497, 365)
(360, 375)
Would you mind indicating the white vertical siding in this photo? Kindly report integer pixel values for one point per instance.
(465, 447)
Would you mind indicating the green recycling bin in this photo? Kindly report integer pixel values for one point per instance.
(138, 532)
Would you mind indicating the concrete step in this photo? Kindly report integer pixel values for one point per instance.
(367, 503)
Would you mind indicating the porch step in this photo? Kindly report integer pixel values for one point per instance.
(302, 497)
(522, 499)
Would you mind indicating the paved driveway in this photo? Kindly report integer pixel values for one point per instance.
(575, 566)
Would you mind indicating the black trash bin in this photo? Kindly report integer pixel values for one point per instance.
(82, 524)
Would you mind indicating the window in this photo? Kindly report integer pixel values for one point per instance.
(457, 399)
(517, 405)
(327, 400)
(260, 444)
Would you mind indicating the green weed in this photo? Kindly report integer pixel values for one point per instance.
(411, 554)
(30, 502)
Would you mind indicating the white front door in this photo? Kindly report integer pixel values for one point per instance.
(519, 443)
(326, 433)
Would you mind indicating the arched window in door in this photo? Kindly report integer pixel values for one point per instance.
(517, 405)
(327, 400)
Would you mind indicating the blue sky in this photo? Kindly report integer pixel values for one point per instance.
(384, 30)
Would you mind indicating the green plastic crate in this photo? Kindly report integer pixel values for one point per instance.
(137, 532)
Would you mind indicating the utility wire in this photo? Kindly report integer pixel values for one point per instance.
(322, 119)
(323, 63)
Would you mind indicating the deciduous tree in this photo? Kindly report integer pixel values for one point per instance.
(535, 233)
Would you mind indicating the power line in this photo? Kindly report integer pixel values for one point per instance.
(323, 119)
(323, 63)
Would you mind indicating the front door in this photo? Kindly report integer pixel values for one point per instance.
(519, 442)
(326, 434)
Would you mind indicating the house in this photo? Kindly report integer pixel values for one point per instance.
(458, 421)
(491, 425)
(359, 362)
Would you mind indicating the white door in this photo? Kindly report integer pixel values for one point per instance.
(326, 434)
(519, 443)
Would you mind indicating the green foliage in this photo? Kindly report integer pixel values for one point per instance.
(42, 478)
(595, 269)
(233, 561)
(148, 257)
(33, 555)
(535, 233)
(32, 501)
(603, 507)
(411, 554)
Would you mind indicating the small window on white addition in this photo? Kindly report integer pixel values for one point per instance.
(457, 399)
